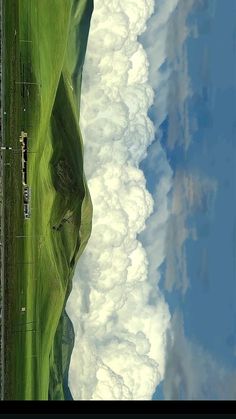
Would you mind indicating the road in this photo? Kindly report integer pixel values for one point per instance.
(2, 161)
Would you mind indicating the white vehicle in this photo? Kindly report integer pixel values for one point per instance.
(27, 212)
(24, 162)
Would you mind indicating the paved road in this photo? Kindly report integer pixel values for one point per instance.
(2, 160)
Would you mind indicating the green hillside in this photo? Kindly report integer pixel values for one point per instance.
(50, 39)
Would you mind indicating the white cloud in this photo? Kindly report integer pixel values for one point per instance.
(154, 236)
(120, 334)
(119, 315)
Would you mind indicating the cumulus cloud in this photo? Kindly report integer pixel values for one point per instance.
(191, 372)
(119, 314)
(120, 331)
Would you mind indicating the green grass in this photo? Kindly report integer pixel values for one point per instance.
(39, 267)
(59, 360)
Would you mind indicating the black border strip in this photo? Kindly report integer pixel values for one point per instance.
(118, 409)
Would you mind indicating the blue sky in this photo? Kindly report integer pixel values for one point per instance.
(214, 152)
(208, 306)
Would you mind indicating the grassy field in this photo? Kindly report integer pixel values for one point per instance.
(45, 44)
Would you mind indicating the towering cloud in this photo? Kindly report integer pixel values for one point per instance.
(120, 330)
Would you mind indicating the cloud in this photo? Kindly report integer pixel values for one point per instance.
(120, 316)
(153, 237)
(176, 276)
(155, 43)
(166, 231)
(179, 91)
(165, 44)
(120, 342)
(191, 193)
(191, 372)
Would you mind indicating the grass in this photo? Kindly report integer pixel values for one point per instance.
(39, 266)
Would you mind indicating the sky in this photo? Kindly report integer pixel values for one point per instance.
(153, 300)
(208, 307)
